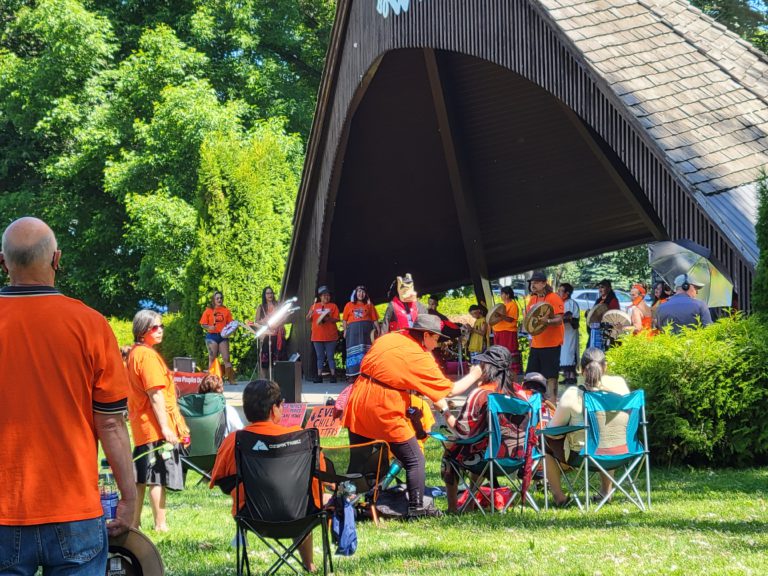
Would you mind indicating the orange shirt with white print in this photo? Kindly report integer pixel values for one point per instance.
(327, 331)
(553, 334)
(217, 317)
(60, 363)
(359, 312)
(147, 371)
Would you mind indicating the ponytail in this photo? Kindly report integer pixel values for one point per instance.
(592, 367)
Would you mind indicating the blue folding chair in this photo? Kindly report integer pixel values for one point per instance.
(511, 422)
(512, 441)
(628, 458)
(616, 440)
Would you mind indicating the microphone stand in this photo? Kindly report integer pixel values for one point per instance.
(274, 320)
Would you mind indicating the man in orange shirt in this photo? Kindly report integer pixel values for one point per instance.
(71, 392)
(263, 408)
(398, 365)
(544, 356)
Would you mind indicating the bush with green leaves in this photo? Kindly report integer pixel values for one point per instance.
(706, 391)
(123, 330)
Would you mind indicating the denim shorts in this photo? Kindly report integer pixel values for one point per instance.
(78, 547)
(215, 337)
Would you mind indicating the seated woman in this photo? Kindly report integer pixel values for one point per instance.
(472, 420)
(213, 384)
(570, 412)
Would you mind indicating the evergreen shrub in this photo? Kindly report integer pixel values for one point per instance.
(706, 391)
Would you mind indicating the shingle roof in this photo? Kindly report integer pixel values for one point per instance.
(699, 90)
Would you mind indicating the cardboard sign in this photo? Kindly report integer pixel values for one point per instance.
(293, 414)
(322, 418)
(188, 382)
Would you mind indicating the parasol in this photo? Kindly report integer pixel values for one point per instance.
(670, 259)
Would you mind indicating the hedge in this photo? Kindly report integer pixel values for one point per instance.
(706, 391)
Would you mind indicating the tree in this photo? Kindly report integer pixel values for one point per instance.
(245, 197)
(747, 18)
(760, 280)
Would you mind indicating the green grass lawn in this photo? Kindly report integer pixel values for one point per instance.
(702, 522)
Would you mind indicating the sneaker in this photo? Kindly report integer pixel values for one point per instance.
(318, 380)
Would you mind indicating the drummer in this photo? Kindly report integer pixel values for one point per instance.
(505, 331)
(544, 356)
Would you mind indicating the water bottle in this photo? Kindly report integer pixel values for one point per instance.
(108, 491)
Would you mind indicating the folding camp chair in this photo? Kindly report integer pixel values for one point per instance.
(616, 440)
(280, 497)
(366, 466)
(627, 457)
(511, 443)
(205, 415)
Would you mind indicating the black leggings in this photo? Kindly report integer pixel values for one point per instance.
(412, 458)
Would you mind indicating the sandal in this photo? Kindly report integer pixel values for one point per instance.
(562, 504)
(597, 498)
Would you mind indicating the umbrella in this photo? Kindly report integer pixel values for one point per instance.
(670, 259)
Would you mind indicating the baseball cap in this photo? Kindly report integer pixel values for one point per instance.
(684, 278)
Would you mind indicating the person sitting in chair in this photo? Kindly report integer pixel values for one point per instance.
(472, 420)
(263, 407)
(213, 384)
(570, 412)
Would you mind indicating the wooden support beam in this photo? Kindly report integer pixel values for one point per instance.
(460, 182)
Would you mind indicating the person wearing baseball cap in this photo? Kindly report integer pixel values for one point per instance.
(399, 365)
(682, 308)
(544, 355)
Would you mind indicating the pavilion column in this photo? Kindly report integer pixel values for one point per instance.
(461, 185)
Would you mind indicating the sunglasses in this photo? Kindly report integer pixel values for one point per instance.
(157, 327)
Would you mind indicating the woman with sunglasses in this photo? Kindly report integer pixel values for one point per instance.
(155, 419)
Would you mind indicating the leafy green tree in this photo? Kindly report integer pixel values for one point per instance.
(747, 18)
(760, 281)
(245, 197)
(268, 54)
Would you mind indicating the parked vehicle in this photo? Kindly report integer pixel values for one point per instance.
(586, 298)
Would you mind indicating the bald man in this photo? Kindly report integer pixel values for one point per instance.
(63, 387)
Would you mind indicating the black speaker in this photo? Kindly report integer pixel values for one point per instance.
(288, 376)
(184, 364)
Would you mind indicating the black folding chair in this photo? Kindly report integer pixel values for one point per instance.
(280, 478)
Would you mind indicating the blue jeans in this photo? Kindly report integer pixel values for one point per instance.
(62, 549)
(325, 350)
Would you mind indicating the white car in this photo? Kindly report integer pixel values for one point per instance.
(586, 298)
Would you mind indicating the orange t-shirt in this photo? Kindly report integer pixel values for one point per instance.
(553, 334)
(219, 317)
(327, 331)
(513, 312)
(378, 412)
(60, 363)
(147, 371)
(225, 465)
(359, 312)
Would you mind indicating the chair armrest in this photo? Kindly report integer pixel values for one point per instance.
(331, 478)
(454, 440)
(559, 430)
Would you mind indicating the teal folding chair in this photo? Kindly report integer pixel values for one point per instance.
(616, 441)
(602, 453)
(470, 474)
(513, 444)
(205, 416)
